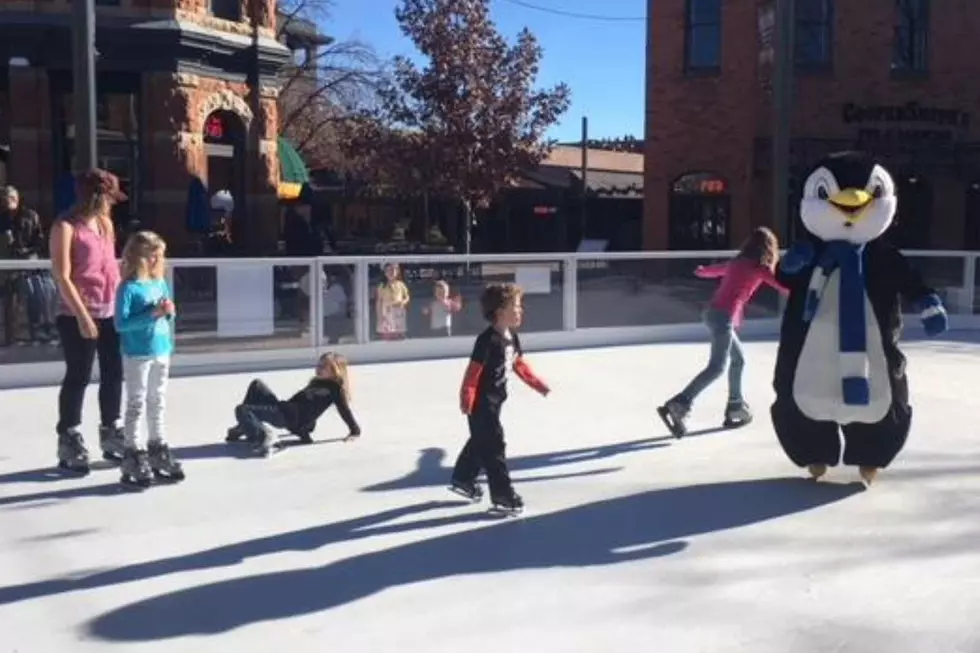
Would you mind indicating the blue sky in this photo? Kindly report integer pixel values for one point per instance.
(602, 61)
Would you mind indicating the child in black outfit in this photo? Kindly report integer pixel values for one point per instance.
(483, 392)
(261, 408)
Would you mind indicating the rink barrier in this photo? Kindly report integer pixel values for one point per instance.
(234, 321)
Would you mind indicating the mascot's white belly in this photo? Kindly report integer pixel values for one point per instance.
(817, 387)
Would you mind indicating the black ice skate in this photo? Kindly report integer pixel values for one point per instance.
(112, 441)
(737, 415)
(236, 434)
(507, 506)
(470, 491)
(673, 414)
(135, 470)
(72, 453)
(305, 433)
(163, 464)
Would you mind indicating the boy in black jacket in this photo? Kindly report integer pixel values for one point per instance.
(262, 409)
(496, 352)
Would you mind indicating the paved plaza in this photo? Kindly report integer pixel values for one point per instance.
(632, 542)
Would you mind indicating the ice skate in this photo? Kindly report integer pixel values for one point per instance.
(268, 442)
(236, 434)
(135, 470)
(72, 453)
(816, 471)
(737, 415)
(163, 464)
(673, 414)
(469, 491)
(305, 433)
(868, 475)
(112, 440)
(507, 506)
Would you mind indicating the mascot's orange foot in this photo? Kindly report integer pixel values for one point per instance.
(816, 471)
(868, 475)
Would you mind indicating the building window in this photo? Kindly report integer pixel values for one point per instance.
(703, 35)
(226, 9)
(699, 212)
(911, 36)
(814, 34)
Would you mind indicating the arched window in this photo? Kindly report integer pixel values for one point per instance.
(702, 38)
(700, 212)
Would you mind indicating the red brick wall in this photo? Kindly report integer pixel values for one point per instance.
(696, 124)
(711, 123)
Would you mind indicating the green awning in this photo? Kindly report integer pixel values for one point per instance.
(292, 169)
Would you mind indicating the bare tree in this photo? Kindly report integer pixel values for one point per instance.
(464, 125)
(327, 83)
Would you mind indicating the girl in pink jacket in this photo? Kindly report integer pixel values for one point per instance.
(740, 278)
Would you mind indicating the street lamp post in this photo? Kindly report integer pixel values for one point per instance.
(782, 106)
(83, 88)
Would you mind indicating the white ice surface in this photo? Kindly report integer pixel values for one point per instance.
(633, 542)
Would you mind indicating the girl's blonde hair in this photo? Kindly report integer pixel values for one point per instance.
(338, 366)
(137, 252)
(762, 248)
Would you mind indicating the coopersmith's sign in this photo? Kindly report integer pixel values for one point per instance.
(911, 112)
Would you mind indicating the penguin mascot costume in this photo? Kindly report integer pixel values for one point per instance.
(838, 366)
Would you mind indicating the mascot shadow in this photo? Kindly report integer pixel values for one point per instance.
(615, 531)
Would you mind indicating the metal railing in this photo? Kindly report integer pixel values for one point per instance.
(268, 310)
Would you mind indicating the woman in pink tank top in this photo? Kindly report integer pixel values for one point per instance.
(740, 279)
(83, 260)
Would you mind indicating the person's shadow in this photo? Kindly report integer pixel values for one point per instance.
(431, 470)
(619, 530)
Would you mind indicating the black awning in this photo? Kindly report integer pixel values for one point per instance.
(605, 183)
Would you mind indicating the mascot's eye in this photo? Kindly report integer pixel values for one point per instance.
(822, 193)
(878, 191)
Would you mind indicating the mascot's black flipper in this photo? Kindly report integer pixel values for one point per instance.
(838, 366)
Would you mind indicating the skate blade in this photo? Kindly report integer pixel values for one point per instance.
(499, 511)
(134, 484)
(674, 427)
(469, 497)
(736, 423)
(111, 457)
(168, 479)
(76, 470)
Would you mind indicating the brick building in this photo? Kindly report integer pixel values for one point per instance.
(184, 88)
(895, 77)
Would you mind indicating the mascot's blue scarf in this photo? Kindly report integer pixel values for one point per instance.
(854, 365)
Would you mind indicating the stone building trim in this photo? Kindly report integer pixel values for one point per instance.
(225, 100)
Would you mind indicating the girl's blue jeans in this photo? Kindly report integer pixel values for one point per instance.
(725, 347)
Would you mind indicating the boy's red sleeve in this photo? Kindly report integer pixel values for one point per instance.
(467, 392)
(523, 370)
(527, 375)
(471, 378)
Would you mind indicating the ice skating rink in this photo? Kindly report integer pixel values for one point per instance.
(633, 542)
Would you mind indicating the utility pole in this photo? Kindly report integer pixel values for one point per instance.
(83, 88)
(585, 176)
(782, 107)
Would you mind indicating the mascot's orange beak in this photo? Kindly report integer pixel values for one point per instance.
(852, 202)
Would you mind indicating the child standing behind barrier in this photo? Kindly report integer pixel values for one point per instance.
(441, 308)
(740, 278)
(497, 350)
(144, 319)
